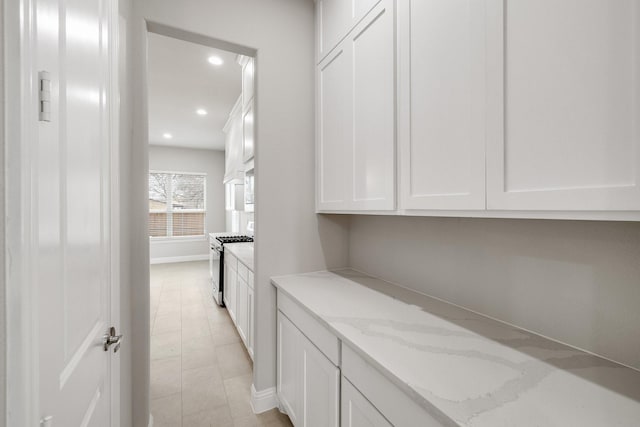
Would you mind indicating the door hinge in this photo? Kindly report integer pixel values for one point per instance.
(44, 96)
(46, 421)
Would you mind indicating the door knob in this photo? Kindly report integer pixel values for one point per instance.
(111, 338)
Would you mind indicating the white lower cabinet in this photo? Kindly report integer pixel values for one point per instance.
(308, 382)
(242, 309)
(357, 411)
(323, 382)
(250, 317)
(230, 288)
(239, 298)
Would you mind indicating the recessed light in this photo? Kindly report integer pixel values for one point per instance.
(215, 60)
(201, 112)
(167, 135)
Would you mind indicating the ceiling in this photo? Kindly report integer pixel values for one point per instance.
(181, 81)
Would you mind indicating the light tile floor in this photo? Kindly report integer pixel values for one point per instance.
(200, 372)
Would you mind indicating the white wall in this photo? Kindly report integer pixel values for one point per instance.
(210, 162)
(576, 282)
(290, 238)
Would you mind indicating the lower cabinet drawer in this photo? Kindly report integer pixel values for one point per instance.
(398, 408)
(357, 411)
(315, 331)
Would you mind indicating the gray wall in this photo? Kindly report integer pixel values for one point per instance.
(211, 162)
(126, 139)
(3, 323)
(290, 237)
(575, 282)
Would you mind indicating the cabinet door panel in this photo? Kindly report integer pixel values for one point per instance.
(335, 129)
(321, 388)
(247, 82)
(374, 111)
(334, 20)
(241, 309)
(289, 368)
(357, 411)
(565, 113)
(250, 327)
(442, 104)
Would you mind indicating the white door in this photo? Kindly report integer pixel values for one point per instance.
(71, 195)
(320, 382)
(441, 104)
(357, 411)
(288, 376)
(564, 93)
(356, 118)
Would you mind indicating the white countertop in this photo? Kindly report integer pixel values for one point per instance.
(472, 369)
(242, 251)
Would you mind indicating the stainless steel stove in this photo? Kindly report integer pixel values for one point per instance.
(216, 260)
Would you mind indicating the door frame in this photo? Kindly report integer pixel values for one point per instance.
(21, 298)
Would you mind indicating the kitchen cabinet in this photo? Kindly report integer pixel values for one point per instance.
(250, 315)
(248, 71)
(334, 19)
(313, 366)
(356, 117)
(504, 109)
(248, 147)
(239, 297)
(233, 130)
(308, 382)
(357, 411)
(563, 105)
(230, 284)
(442, 100)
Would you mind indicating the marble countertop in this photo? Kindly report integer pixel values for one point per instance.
(242, 251)
(468, 368)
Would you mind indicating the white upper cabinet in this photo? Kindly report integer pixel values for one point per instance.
(247, 64)
(564, 92)
(356, 117)
(334, 19)
(442, 102)
(248, 71)
(233, 130)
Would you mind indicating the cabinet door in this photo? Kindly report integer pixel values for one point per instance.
(320, 388)
(357, 411)
(373, 74)
(250, 327)
(230, 291)
(241, 309)
(334, 20)
(564, 94)
(247, 81)
(442, 104)
(334, 131)
(356, 118)
(289, 368)
(248, 135)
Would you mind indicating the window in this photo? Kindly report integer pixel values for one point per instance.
(176, 204)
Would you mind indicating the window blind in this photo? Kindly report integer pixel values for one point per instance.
(176, 204)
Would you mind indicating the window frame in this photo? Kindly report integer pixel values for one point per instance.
(169, 211)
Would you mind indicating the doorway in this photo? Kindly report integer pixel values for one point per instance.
(200, 133)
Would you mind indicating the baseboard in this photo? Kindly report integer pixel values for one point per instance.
(150, 420)
(263, 400)
(171, 259)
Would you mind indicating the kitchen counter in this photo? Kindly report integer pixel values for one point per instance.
(462, 366)
(242, 251)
